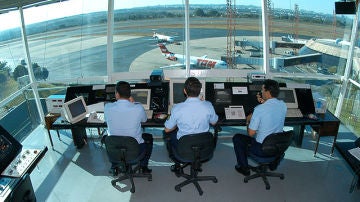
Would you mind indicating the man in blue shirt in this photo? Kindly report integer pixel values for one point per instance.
(194, 115)
(124, 118)
(267, 118)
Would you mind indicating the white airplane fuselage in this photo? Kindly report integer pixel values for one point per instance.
(199, 62)
(163, 38)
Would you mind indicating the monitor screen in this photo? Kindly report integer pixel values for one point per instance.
(177, 90)
(9, 149)
(75, 110)
(288, 95)
(223, 96)
(142, 96)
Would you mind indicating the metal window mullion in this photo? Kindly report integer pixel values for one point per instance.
(349, 64)
(33, 82)
(110, 41)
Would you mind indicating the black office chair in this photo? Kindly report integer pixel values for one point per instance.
(274, 146)
(193, 150)
(125, 151)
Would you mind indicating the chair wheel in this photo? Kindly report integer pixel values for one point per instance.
(177, 188)
(132, 190)
(267, 187)
(113, 183)
(246, 181)
(215, 180)
(282, 177)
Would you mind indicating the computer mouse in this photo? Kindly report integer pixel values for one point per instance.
(312, 116)
(162, 116)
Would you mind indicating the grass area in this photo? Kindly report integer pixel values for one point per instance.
(8, 88)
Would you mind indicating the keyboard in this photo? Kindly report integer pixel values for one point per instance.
(149, 113)
(293, 113)
(100, 116)
(97, 117)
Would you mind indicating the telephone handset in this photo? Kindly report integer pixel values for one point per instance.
(95, 118)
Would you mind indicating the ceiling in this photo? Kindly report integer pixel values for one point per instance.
(8, 5)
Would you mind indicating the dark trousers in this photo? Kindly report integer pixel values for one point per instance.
(147, 146)
(243, 144)
(171, 143)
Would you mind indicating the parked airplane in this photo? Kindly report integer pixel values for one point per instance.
(195, 62)
(163, 38)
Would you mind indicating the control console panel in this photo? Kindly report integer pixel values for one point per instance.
(20, 164)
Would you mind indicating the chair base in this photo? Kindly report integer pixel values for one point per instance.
(193, 178)
(261, 171)
(131, 174)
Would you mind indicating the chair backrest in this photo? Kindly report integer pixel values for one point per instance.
(277, 143)
(122, 148)
(188, 144)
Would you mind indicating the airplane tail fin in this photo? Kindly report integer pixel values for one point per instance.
(163, 49)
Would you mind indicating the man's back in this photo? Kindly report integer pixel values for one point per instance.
(268, 118)
(192, 116)
(124, 118)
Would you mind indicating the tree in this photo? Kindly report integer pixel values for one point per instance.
(4, 71)
(213, 13)
(20, 71)
(40, 72)
(199, 12)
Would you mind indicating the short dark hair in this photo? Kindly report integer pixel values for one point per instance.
(272, 86)
(123, 88)
(192, 87)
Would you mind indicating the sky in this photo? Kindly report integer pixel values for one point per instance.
(74, 7)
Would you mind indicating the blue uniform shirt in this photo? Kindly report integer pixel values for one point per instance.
(268, 118)
(123, 118)
(191, 116)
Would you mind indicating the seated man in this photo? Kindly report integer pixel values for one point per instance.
(124, 118)
(267, 118)
(191, 116)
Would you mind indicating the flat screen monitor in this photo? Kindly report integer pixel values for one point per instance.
(142, 96)
(223, 96)
(288, 95)
(177, 91)
(75, 110)
(110, 92)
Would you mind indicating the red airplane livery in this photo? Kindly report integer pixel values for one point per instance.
(195, 62)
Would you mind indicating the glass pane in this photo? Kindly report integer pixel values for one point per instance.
(67, 40)
(307, 37)
(139, 26)
(13, 72)
(350, 112)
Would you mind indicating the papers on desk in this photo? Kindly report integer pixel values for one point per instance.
(235, 112)
(98, 107)
(355, 152)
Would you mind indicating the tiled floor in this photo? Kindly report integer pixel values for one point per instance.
(68, 174)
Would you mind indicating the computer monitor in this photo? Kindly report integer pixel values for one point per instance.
(177, 90)
(223, 96)
(288, 95)
(110, 92)
(75, 110)
(142, 96)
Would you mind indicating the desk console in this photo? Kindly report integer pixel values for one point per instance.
(16, 164)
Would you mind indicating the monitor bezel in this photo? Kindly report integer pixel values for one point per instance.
(182, 81)
(148, 91)
(67, 112)
(294, 104)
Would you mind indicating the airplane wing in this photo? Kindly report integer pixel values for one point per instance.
(182, 66)
(179, 65)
